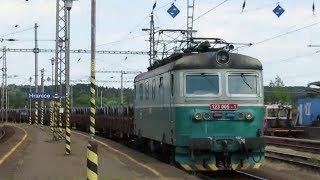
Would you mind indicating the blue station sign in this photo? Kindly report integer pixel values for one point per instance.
(42, 95)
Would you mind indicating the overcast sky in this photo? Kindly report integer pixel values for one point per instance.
(279, 43)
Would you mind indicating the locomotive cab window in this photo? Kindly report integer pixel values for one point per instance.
(242, 84)
(202, 84)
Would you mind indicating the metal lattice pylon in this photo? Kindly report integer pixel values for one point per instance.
(4, 99)
(190, 14)
(59, 56)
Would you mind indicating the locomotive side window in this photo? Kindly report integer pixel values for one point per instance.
(242, 84)
(141, 91)
(153, 89)
(147, 90)
(202, 84)
(161, 82)
(172, 78)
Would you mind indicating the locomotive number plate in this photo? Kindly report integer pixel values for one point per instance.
(218, 106)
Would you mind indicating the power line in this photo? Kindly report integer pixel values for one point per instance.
(280, 35)
(124, 39)
(260, 8)
(16, 32)
(200, 16)
(286, 33)
(210, 10)
(133, 29)
(77, 51)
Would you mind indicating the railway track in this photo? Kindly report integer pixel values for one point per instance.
(305, 145)
(2, 133)
(230, 174)
(5, 133)
(299, 160)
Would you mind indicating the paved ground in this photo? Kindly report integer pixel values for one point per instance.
(38, 157)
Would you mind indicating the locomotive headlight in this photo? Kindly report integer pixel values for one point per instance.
(240, 115)
(206, 116)
(222, 57)
(249, 116)
(198, 116)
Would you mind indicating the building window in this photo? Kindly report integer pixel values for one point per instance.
(307, 108)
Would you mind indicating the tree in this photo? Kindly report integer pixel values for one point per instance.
(277, 92)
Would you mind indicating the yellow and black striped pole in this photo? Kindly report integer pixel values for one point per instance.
(42, 114)
(92, 148)
(36, 113)
(59, 120)
(42, 90)
(51, 116)
(92, 161)
(55, 120)
(68, 130)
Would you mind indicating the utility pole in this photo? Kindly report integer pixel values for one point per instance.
(121, 72)
(52, 123)
(68, 6)
(42, 90)
(121, 93)
(4, 80)
(36, 51)
(59, 60)
(30, 104)
(152, 53)
(190, 14)
(92, 147)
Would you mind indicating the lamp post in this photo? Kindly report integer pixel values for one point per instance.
(36, 52)
(68, 6)
(30, 105)
(58, 76)
(52, 121)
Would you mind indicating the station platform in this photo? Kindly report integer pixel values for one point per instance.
(31, 153)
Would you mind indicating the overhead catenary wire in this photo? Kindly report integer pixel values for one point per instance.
(266, 6)
(279, 35)
(200, 16)
(16, 32)
(133, 29)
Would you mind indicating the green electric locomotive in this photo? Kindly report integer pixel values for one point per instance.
(203, 108)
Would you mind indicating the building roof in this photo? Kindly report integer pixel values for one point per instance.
(317, 83)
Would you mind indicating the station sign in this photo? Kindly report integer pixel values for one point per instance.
(43, 95)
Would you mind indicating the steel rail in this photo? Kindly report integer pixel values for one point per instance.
(2, 133)
(293, 159)
(296, 147)
(207, 175)
(306, 144)
(309, 141)
(250, 175)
